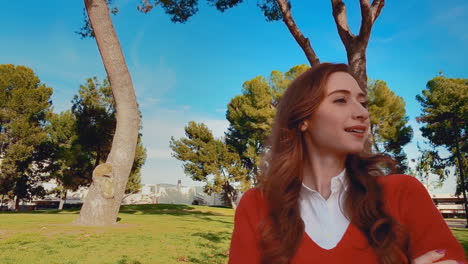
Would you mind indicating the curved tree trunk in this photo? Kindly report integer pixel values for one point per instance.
(102, 202)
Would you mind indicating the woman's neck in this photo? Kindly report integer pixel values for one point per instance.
(320, 168)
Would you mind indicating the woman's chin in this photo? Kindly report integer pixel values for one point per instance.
(355, 150)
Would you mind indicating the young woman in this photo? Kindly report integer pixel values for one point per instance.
(322, 196)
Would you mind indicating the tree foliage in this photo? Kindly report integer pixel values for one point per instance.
(445, 117)
(430, 163)
(389, 123)
(24, 106)
(94, 111)
(209, 160)
(251, 114)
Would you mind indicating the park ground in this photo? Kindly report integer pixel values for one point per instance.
(145, 234)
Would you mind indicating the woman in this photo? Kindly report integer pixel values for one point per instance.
(322, 197)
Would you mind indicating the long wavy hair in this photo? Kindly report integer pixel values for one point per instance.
(282, 175)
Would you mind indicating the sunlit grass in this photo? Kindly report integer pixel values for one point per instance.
(145, 234)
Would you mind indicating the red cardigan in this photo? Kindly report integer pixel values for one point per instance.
(405, 199)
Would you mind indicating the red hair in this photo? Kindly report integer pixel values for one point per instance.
(282, 175)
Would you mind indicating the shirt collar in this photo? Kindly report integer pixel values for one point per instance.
(337, 182)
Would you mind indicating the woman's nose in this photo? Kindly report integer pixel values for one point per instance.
(360, 112)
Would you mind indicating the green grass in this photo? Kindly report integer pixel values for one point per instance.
(146, 234)
(462, 235)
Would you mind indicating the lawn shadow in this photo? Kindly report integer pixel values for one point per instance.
(212, 241)
(213, 237)
(143, 209)
(205, 218)
(46, 211)
(164, 209)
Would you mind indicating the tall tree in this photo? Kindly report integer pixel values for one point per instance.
(445, 117)
(389, 123)
(24, 105)
(67, 164)
(251, 114)
(103, 200)
(209, 160)
(94, 111)
(430, 163)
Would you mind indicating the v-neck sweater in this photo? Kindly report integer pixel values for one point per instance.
(405, 199)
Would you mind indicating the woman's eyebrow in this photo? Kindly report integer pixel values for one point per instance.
(361, 95)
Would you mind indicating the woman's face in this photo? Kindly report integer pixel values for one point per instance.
(341, 122)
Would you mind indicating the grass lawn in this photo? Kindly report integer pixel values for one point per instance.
(146, 234)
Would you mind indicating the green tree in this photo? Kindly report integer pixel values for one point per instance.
(445, 117)
(67, 164)
(251, 114)
(94, 111)
(24, 105)
(209, 160)
(389, 123)
(430, 163)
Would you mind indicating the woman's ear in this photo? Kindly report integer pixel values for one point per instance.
(304, 125)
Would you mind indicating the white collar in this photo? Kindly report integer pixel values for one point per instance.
(337, 182)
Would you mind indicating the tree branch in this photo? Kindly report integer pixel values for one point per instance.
(369, 14)
(297, 34)
(339, 14)
(376, 7)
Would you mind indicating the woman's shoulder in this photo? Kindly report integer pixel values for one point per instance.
(399, 181)
(252, 197)
(401, 186)
(252, 205)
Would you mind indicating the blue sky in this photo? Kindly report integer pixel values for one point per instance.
(190, 71)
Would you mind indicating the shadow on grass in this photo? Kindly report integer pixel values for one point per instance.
(205, 218)
(166, 209)
(65, 211)
(214, 237)
(213, 241)
(144, 209)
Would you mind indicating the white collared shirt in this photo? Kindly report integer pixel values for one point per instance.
(324, 220)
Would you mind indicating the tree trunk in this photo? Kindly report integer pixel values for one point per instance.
(231, 200)
(16, 204)
(63, 200)
(98, 156)
(104, 197)
(357, 62)
(356, 45)
(462, 176)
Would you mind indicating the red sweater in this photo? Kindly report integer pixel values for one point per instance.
(405, 199)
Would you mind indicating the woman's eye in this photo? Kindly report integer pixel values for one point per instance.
(341, 100)
(365, 104)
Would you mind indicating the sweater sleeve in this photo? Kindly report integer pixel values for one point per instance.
(427, 228)
(244, 243)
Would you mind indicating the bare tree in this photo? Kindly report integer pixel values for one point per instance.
(355, 45)
(102, 203)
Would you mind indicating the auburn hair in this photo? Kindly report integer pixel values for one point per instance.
(282, 173)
